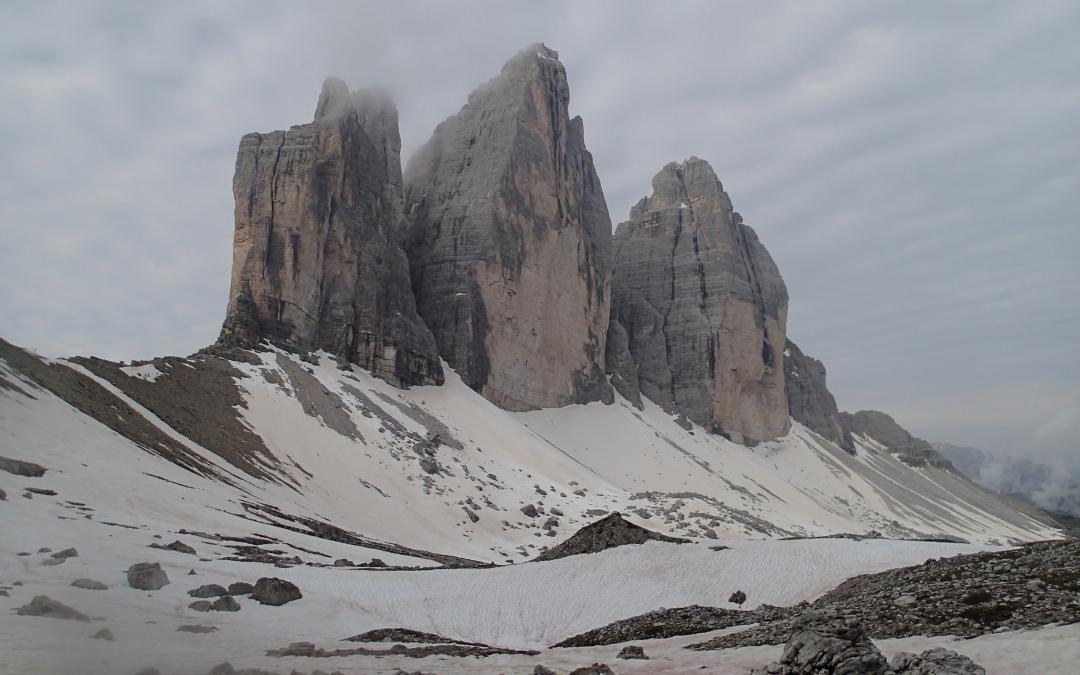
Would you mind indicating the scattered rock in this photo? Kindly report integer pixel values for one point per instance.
(44, 549)
(147, 576)
(738, 597)
(103, 634)
(529, 510)
(201, 606)
(632, 652)
(65, 554)
(177, 546)
(21, 468)
(42, 491)
(540, 670)
(240, 588)
(226, 604)
(192, 573)
(43, 605)
(343, 562)
(208, 591)
(1035, 585)
(196, 628)
(89, 584)
(274, 591)
(551, 523)
(937, 661)
(375, 562)
(905, 600)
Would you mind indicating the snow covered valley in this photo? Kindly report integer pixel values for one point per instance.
(423, 509)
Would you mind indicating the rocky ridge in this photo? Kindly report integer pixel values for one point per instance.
(508, 232)
(703, 307)
(809, 399)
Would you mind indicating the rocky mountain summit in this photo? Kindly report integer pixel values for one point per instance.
(509, 236)
(316, 261)
(703, 306)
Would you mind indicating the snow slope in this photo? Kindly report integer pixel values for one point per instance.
(399, 472)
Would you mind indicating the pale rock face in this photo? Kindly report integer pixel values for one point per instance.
(509, 241)
(703, 306)
(316, 259)
(809, 399)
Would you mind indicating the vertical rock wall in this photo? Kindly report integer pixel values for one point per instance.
(509, 241)
(703, 307)
(316, 258)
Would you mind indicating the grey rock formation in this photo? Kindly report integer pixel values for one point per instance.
(884, 429)
(827, 643)
(316, 261)
(147, 576)
(608, 532)
(703, 306)
(809, 400)
(509, 241)
(939, 661)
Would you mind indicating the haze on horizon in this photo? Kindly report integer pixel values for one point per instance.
(913, 168)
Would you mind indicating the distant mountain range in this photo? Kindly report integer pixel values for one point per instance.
(1051, 487)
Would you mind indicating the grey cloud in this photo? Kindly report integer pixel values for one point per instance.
(912, 167)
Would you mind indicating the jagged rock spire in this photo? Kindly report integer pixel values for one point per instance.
(316, 261)
(703, 307)
(509, 241)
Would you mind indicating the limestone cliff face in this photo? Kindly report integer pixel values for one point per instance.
(703, 306)
(509, 241)
(885, 430)
(316, 261)
(809, 400)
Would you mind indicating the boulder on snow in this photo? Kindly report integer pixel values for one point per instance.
(631, 652)
(343, 562)
(274, 591)
(226, 603)
(826, 642)
(43, 605)
(939, 661)
(208, 591)
(147, 576)
(240, 588)
(21, 468)
(594, 669)
(738, 597)
(89, 584)
(103, 634)
(201, 605)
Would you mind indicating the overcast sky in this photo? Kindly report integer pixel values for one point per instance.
(914, 168)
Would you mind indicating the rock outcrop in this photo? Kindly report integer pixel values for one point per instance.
(809, 400)
(703, 307)
(316, 258)
(884, 429)
(608, 532)
(509, 241)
